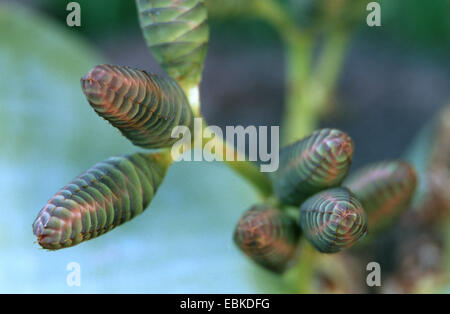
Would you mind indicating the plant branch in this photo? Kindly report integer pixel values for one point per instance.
(307, 95)
(300, 116)
(308, 90)
(246, 169)
(239, 163)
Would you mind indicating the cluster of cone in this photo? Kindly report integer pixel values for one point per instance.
(144, 107)
(333, 214)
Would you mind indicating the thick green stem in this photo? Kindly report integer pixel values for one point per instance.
(247, 169)
(236, 160)
(239, 164)
(306, 100)
(306, 268)
(307, 95)
(330, 62)
(301, 276)
(308, 90)
(300, 115)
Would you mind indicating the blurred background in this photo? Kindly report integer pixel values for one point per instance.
(392, 81)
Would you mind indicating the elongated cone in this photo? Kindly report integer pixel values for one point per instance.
(315, 163)
(177, 34)
(430, 155)
(333, 220)
(144, 107)
(268, 237)
(105, 196)
(385, 189)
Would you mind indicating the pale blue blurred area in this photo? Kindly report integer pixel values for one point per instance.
(49, 134)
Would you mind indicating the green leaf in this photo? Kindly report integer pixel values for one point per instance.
(177, 33)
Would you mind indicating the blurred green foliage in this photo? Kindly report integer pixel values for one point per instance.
(419, 23)
(413, 22)
(99, 18)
